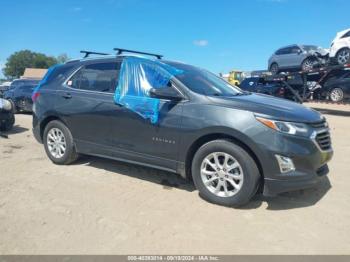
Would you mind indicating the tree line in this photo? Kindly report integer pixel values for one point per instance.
(19, 61)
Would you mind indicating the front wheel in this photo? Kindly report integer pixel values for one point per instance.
(224, 173)
(58, 143)
(308, 64)
(336, 95)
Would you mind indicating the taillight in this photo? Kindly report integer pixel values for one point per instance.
(35, 96)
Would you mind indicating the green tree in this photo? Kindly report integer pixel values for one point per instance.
(19, 61)
(62, 58)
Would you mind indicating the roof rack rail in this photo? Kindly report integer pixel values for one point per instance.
(121, 50)
(88, 53)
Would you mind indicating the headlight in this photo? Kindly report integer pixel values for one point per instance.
(285, 127)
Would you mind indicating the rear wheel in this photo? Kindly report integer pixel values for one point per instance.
(343, 56)
(224, 173)
(336, 95)
(58, 143)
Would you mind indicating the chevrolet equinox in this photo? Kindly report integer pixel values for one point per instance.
(231, 143)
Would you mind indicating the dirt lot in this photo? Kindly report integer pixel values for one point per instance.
(99, 206)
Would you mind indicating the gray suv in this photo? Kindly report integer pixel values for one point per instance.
(296, 57)
(231, 143)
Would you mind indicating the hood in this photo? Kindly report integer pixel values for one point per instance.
(270, 107)
(319, 50)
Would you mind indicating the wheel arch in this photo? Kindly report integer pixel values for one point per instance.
(273, 63)
(193, 148)
(47, 120)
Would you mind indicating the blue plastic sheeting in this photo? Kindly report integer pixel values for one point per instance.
(137, 76)
(45, 78)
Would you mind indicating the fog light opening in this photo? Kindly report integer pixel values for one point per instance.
(285, 163)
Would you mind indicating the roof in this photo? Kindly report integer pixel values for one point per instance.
(34, 73)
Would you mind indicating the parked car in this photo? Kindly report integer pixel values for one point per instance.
(4, 87)
(297, 57)
(340, 47)
(337, 86)
(230, 142)
(20, 94)
(7, 118)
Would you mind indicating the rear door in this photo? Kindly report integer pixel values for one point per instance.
(284, 57)
(86, 103)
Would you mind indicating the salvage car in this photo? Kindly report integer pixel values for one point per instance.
(259, 85)
(7, 118)
(340, 47)
(337, 87)
(20, 94)
(183, 119)
(297, 57)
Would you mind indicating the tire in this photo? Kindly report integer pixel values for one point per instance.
(245, 176)
(336, 95)
(343, 56)
(274, 68)
(57, 135)
(8, 125)
(308, 64)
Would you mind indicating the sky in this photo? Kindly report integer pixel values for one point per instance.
(219, 35)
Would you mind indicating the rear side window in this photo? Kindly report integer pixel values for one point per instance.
(283, 51)
(100, 77)
(346, 35)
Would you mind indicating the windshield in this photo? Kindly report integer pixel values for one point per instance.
(203, 82)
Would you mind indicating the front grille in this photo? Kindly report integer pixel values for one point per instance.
(323, 139)
(322, 124)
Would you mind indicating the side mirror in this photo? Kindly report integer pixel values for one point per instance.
(167, 92)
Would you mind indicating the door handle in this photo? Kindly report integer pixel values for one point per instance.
(67, 96)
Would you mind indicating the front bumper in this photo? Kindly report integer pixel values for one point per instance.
(273, 187)
(309, 160)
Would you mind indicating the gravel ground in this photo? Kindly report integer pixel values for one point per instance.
(99, 206)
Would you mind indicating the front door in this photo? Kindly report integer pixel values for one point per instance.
(140, 140)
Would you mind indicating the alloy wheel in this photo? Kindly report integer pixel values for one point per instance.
(308, 64)
(56, 143)
(343, 56)
(222, 174)
(337, 95)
